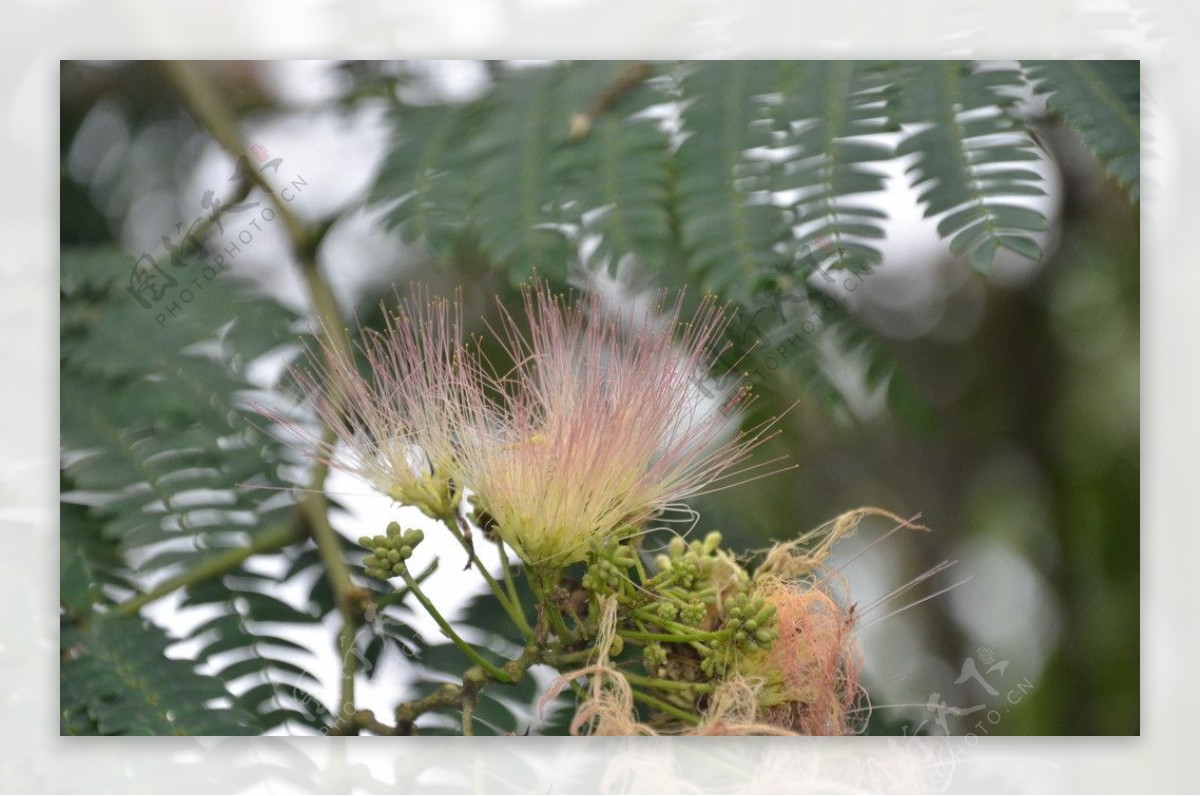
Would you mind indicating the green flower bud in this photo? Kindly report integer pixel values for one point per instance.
(693, 613)
(654, 656)
(667, 611)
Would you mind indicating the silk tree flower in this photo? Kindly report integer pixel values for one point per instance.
(400, 419)
(603, 426)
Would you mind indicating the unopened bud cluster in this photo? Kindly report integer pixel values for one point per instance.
(608, 568)
(751, 627)
(389, 554)
(695, 614)
(683, 563)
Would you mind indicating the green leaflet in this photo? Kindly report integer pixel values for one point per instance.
(1102, 101)
(969, 154)
(116, 679)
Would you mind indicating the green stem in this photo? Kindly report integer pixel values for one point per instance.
(268, 541)
(665, 707)
(637, 565)
(691, 633)
(508, 601)
(639, 635)
(399, 594)
(493, 671)
(509, 583)
(668, 685)
(547, 581)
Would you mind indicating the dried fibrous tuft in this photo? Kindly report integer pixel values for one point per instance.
(812, 671)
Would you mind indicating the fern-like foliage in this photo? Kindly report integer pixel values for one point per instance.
(156, 410)
(423, 177)
(160, 442)
(730, 224)
(831, 114)
(971, 155)
(765, 162)
(1102, 101)
(504, 172)
(117, 679)
(615, 178)
(747, 177)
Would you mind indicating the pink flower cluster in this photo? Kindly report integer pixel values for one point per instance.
(596, 428)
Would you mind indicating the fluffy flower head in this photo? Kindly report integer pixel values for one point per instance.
(603, 427)
(399, 420)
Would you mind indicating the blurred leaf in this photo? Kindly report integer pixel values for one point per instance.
(1101, 100)
(971, 152)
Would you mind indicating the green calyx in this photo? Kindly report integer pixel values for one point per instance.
(436, 497)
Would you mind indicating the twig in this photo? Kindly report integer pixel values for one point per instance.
(360, 720)
(627, 79)
(206, 104)
(468, 710)
(270, 540)
(475, 679)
